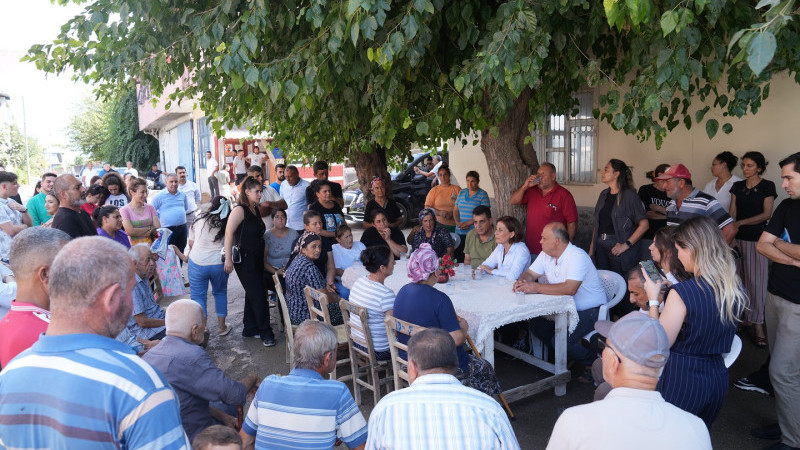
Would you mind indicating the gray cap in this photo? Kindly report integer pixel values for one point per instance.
(638, 337)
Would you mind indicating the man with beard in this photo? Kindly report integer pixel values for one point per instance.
(70, 218)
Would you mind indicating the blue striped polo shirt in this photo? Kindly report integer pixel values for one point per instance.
(304, 411)
(466, 204)
(86, 391)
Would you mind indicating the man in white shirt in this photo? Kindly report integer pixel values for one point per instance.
(87, 173)
(633, 415)
(293, 191)
(212, 166)
(569, 271)
(270, 199)
(256, 158)
(192, 192)
(239, 167)
(130, 170)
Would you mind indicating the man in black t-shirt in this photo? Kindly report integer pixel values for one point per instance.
(154, 175)
(70, 218)
(780, 242)
(321, 174)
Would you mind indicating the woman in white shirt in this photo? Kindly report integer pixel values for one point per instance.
(511, 256)
(720, 186)
(345, 251)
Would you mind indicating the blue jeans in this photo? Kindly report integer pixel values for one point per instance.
(545, 330)
(199, 277)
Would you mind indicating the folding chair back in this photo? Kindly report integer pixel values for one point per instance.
(288, 328)
(363, 363)
(322, 314)
(399, 364)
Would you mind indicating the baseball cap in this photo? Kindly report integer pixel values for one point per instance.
(638, 337)
(676, 171)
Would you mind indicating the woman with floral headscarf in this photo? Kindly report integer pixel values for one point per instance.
(420, 303)
(206, 239)
(303, 272)
(433, 233)
(380, 202)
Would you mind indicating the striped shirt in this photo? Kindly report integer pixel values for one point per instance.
(697, 203)
(86, 391)
(466, 204)
(437, 411)
(377, 299)
(304, 411)
(144, 303)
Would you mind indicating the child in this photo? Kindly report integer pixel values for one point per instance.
(346, 252)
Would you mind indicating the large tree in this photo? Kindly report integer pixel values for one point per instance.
(15, 157)
(367, 78)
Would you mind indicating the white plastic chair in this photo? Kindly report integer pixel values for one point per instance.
(736, 348)
(615, 288)
(456, 239)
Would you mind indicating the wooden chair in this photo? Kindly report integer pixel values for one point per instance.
(288, 328)
(322, 314)
(399, 365)
(363, 363)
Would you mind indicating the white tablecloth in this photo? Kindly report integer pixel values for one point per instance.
(487, 304)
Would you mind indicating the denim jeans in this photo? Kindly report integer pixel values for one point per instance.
(199, 277)
(545, 330)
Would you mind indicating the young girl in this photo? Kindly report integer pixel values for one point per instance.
(94, 195)
(346, 252)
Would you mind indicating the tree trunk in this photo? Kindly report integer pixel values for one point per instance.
(509, 158)
(369, 165)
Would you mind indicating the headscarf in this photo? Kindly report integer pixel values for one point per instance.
(426, 212)
(224, 208)
(422, 263)
(302, 242)
(375, 180)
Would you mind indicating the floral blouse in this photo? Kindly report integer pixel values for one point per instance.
(440, 240)
(301, 273)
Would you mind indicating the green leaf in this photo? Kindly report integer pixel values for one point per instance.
(290, 89)
(274, 92)
(203, 41)
(422, 128)
(429, 7)
(250, 41)
(370, 54)
(711, 128)
(699, 5)
(354, 31)
(700, 114)
(760, 51)
(251, 75)
(352, 7)
(419, 5)
(669, 20)
(459, 83)
(334, 43)
(406, 122)
(727, 128)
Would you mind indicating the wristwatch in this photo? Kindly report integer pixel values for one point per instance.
(628, 243)
(652, 303)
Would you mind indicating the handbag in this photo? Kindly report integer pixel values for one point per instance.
(236, 254)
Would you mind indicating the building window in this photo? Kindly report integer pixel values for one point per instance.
(569, 142)
(204, 140)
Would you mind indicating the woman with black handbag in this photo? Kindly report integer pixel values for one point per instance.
(244, 251)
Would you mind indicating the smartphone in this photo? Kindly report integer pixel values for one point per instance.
(652, 271)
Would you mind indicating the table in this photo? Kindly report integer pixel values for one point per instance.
(488, 304)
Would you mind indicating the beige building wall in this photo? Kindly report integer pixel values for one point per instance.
(774, 131)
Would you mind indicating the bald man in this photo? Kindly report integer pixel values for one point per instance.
(32, 252)
(192, 373)
(70, 218)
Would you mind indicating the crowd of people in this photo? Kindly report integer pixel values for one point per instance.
(98, 327)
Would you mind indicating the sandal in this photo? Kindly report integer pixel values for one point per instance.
(760, 342)
(226, 331)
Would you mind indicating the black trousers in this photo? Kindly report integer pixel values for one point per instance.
(256, 309)
(213, 186)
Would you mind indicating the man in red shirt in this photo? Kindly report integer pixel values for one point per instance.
(32, 252)
(547, 202)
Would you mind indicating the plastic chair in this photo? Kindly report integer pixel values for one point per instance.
(736, 348)
(615, 287)
(363, 364)
(288, 328)
(322, 314)
(456, 239)
(399, 365)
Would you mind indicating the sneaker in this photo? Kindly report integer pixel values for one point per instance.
(747, 384)
(249, 335)
(269, 342)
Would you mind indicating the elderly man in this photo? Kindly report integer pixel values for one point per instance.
(688, 201)
(192, 372)
(147, 318)
(305, 409)
(13, 216)
(192, 192)
(437, 411)
(546, 201)
(480, 241)
(35, 205)
(270, 199)
(130, 170)
(70, 218)
(633, 415)
(569, 271)
(77, 387)
(293, 191)
(172, 206)
(320, 175)
(32, 253)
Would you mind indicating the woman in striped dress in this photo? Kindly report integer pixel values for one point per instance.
(700, 316)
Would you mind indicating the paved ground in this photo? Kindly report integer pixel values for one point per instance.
(535, 416)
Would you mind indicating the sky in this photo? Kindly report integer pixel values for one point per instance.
(50, 100)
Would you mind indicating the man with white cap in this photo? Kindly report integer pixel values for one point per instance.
(635, 352)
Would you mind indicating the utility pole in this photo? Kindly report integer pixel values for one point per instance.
(25, 131)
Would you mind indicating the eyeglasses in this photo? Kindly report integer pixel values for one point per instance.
(602, 345)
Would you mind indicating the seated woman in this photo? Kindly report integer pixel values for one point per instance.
(369, 292)
(663, 252)
(108, 221)
(345, 251)
(420, 303)
(278, 244)
(381, 233)
(511, 256)
(301, 273)
(432, 233)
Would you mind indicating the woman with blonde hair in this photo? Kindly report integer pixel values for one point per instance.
(700, 316)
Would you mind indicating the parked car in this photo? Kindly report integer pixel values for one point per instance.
(409, 190)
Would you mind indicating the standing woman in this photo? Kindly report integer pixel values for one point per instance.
(94, 196)
(655, 205)
(382, 202)
(442, 199)
(751, 207)
(246, 229)
(466, 201)
(511, 256)
(619, 221)
(139, 218)
(329, 210)
(206, 239)
(700, 316)
(278, 247)
(117, 190)
(720, 186)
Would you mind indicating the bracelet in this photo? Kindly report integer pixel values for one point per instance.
(628, 243)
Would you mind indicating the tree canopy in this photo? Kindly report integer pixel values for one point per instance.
(15, 157)
(343, 78)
